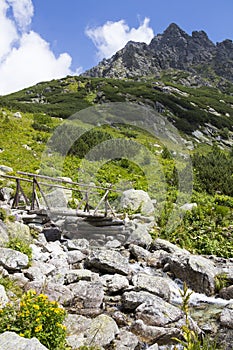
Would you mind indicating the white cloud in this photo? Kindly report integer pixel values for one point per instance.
(32, 62)
(25, 57)
(22, 11)
(7, 30)
(113, 36)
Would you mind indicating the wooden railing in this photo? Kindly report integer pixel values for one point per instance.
(37, 183)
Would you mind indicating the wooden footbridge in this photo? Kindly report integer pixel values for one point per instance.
(85, 208)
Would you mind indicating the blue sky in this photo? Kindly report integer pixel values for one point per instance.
(45, 39)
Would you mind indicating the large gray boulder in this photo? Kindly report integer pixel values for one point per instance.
(159, 313)
(138, 235)
(102, 331)
(57, 199)
(163, 244)
(109, 261)
(11, 340)
(153, 284)
(137, 201)
(13, 260)
(88, 297)
(154, 334)
(114, 283)
(19, 230)
(198, 272)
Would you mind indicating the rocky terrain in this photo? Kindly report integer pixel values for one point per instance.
(174, 48)
(121, 290)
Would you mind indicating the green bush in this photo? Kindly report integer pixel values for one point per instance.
(36, 316)
(18, 244)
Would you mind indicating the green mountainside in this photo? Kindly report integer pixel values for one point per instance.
(202, 111)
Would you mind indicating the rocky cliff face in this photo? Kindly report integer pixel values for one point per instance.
(172, 49)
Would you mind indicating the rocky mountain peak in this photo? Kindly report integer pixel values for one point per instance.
(174, 48)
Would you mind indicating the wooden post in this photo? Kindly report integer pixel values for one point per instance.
(16, 197)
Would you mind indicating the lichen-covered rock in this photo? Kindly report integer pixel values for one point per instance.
(159, 313)
(137, 200)
(153, 284)
(13, 260)
(153, 334)
(88, 297)
(11, 340)
(114, 283)
(102, 331)
(109, 261)
(19, 230)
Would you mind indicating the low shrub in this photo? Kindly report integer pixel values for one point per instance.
(36, 316)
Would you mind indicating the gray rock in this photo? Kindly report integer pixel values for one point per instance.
(139, 253)
(73, 276)
(75, 256)
(139, 235)
(76, 324)
(4, 237)
(162, 244)
(153, 284)
(55, 292)
(19, 230)
(153, 347)
(4, 169)
(114, 283)
(226, 317)
(125, 340)
(81, 244)
(88, 296)
(57, 199)
(113, 244)
(52, 234)
(226, 293)
(6, 193)
(11, 340)
(13, 260)
(109, 261)
(198, 272)
(39, 271)
(17, 115)
(152, 334)
(137, 200)
(131, 300)
(102, 331)
(188, 206)
(3, 297)
(159, 313)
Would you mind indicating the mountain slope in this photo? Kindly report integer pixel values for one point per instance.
(172, 49)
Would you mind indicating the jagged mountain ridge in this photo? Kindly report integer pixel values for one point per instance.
(172, 49)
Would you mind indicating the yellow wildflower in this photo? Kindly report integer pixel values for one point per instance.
(38, 328)
(36, 307)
